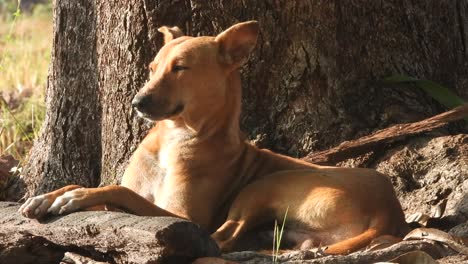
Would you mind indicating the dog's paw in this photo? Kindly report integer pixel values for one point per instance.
(36, 207)
(67, 203)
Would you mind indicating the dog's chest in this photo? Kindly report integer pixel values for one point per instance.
(167, 155)
(182, 162)
(174, 151)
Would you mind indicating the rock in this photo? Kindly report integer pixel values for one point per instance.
(101, 236)
(73, 258)
(212, 260)
(426, 171)
(432, 248)
(460, 230)
(457, 259)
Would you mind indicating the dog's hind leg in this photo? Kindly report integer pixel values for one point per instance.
(377, 227)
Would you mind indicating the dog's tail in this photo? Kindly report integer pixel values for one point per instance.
(379, 225)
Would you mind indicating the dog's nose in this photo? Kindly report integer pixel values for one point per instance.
(141, 102)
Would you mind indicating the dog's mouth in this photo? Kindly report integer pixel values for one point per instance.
(161, 116)
(177, 110)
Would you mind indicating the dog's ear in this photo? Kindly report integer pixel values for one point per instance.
(237, 42)
(170, 33)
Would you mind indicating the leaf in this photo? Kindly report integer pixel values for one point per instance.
(440, 93)
(419, 218)
(439, 210)
(425, 220)
(17, 13)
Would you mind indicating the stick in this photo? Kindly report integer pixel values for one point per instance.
(354, 148)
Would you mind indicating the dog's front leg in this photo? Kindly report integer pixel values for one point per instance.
(36, 207)
(114, 196)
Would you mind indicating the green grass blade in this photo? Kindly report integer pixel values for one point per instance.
(440, 93)
(274, 242)
(277, 236)
(280, 235)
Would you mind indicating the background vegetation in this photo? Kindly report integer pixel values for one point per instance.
(25, 43)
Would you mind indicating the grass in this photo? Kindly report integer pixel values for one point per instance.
(277, 237)
(25, 43)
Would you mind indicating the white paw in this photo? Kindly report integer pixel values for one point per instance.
(35, 207)
(66, 203)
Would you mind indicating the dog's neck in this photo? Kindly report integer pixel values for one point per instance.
(220, 122)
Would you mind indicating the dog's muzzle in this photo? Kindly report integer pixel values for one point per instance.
(141, 103)
(149, 108)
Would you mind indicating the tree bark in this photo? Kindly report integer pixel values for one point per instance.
(351, 149)
(127, 42)
(68, 149)
(312, 82)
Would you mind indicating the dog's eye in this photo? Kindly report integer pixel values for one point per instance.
(177, 68)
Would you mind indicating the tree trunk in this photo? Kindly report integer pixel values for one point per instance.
(68, 149)
(313, 81)
(127, 42)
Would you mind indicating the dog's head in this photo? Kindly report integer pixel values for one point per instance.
(190, 74)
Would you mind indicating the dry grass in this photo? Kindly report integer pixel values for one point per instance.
(24, 58)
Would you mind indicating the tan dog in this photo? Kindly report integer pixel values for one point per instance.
(195, 163)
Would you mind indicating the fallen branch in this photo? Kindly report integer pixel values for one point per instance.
(354, 148)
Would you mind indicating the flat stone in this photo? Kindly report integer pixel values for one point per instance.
(103, 236)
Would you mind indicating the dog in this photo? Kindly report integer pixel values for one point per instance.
(196, 164)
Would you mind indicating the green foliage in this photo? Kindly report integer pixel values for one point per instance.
(19, 126)
(25, 43)
(440, 93)
(8, 7)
